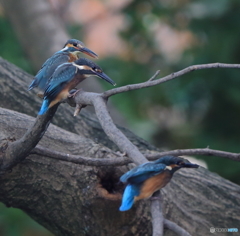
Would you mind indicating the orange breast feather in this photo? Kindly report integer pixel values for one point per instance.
(153, 184)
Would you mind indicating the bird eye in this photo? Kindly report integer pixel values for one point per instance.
(97, 69)
(75, 44)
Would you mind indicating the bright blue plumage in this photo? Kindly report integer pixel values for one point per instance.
(66, 77)
(142, 172)
(162, 168)
(63, 74)
(47, 70)
(44, 107)
(69, 53)
(128, 197)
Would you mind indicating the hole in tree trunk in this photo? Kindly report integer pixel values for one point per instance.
(109, 185)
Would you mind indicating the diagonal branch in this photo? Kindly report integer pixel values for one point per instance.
(175, 228)
(123, 143)
(114, 134)
(151, 83)
(18, 150)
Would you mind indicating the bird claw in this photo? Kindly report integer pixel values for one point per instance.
(73, 93)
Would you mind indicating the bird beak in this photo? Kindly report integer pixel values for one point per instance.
(105, 77)
(87, 51)
(189, 165)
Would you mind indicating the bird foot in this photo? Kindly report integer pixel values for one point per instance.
(73, 93)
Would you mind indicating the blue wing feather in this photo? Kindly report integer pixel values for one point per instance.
(128, 196)
(63, 74)
(48, 69)
(142, 172)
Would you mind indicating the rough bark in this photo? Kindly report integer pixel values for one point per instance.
(67, 199)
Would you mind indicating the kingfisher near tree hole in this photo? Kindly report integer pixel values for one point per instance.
(143, 180)
(66, 77)
(70, 52)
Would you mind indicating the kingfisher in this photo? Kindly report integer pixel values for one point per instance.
(71, 52)
(143, 180)
(66, 77)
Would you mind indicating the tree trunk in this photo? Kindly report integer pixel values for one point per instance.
(40, 31)
(71, 199)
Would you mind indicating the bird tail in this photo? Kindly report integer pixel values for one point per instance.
(128, 197)
(44, 107)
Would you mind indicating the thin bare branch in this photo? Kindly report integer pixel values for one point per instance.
(150, 83)
(175, 228)
(121, 160)
(154, 76)
(196, 151)
(118, 161)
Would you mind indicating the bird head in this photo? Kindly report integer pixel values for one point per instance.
(76, 46)
(175, 163)
(87, 68)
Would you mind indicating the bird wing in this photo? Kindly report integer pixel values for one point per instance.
(48, 68)
(142, 172)
(63, 74)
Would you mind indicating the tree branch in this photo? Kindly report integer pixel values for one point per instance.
(121, 159)
(99, 103)
(197, 151)
(157, 215)
(18, 150)
(175, 228)
(114, 134)
(118, 161)
(151, 83)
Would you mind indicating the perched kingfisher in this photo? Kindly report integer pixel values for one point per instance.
(70, 52)
(66, 77)
(143, 180)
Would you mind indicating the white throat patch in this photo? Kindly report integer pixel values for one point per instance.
(78, 66)
(168, 168)
(64, 49)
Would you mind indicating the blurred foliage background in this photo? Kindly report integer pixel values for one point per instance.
(199, 109)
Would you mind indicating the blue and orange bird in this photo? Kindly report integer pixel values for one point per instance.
(70, 52)
(143, 180)
(66, 77)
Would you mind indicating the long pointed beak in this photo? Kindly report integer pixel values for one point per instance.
(88, 52)
(105, 77)
(189, 165)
